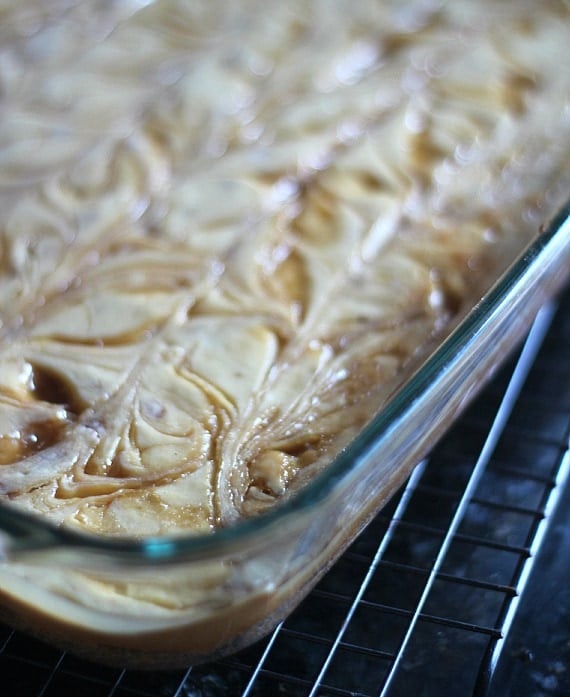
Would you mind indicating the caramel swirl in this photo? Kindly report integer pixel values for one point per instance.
(226, 232)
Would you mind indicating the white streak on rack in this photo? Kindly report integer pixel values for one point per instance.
(562, 479)
(522, 368)
(402, 505)
(258, 667)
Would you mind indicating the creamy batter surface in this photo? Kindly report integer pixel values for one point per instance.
(226, 229)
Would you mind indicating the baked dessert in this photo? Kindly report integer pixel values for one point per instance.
(227, 232)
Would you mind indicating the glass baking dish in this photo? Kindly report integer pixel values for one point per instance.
(233, 586)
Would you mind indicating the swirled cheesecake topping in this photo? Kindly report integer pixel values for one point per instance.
(226, 229)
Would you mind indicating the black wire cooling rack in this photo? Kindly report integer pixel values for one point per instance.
(423, 601)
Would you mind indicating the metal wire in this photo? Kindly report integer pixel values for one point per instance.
(514, 387)
(402, 505)
(509, 610)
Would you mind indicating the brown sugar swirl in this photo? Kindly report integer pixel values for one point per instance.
(226, 234)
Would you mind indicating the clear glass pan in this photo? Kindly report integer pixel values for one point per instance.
(227, 589)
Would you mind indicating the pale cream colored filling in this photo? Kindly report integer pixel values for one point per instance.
(226, 229)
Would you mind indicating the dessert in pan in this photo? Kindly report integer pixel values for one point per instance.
(228, 234)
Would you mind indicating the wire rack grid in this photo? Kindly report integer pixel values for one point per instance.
(423, 600)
